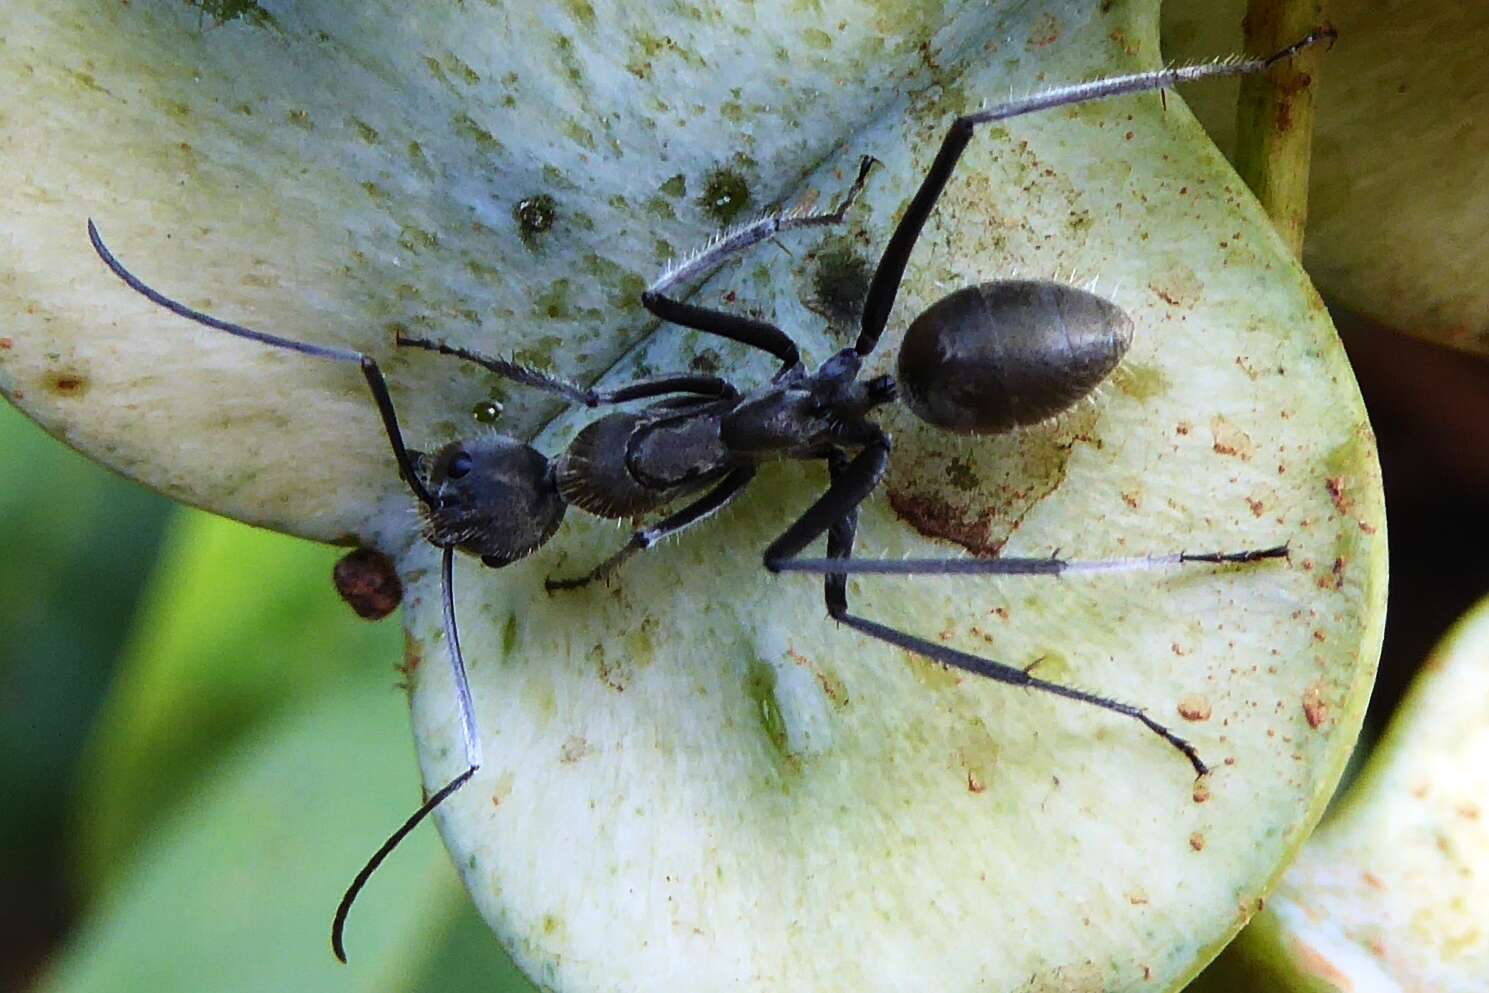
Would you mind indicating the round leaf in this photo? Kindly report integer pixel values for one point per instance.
(693, 777)
(1390, 894)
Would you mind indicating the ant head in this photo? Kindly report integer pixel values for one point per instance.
(494, 497)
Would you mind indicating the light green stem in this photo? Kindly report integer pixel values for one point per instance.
(1274, 114)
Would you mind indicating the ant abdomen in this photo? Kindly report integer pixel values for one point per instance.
(1000, 355)
(495, 497)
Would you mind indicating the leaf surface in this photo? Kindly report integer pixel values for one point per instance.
(692, 777)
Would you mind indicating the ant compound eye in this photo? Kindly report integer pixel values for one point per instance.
(459, 465)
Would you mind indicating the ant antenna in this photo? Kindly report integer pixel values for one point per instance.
(338, 924)
(368, 366)
(472, 758)
(379, 388)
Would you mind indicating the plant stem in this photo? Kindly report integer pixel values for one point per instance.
(1274, 114)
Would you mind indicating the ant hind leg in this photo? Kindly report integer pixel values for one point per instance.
(837, 513)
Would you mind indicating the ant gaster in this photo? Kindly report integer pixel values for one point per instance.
(982, 360)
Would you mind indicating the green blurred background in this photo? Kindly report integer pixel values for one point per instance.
(202, 744)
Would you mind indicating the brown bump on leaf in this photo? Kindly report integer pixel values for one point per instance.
(936, 518)
(1197, 841)
(1315, 708)
(1342, 502)
(368, 582)
(1194, 708)
(1231, 440)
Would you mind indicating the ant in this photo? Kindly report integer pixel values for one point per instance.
(983, 360)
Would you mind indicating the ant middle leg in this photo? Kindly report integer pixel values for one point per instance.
(1016, 566)
(749, 331)
(836, 512)
(705, 506)
(885, 284)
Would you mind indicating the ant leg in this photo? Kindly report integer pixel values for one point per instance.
(757, 334)
(370, 371)
(706, 386)
(1012, 675)
(736, 240)
(711, 502)
(840, 537)
(851, 485)
(885, 285)
(1012, 566)
(472, 742)
(837, 513)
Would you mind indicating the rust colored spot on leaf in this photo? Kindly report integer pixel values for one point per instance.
(1194, 708)
(1342, 502)
(1315, 708)
(938, 519)
(67, 384)
(574, 748)
(1231, 440)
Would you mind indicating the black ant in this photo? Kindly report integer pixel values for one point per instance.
(985, 359)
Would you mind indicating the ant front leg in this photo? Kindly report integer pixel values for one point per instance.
(836, 512)
(757, 334)
(705, 506)
(885, 285)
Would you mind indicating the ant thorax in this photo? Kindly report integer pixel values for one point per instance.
(624, 465)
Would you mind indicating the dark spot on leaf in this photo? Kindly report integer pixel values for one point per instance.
(840, 282)
(725, 195)
(67, 384)
(223, 11)
(534, 216)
